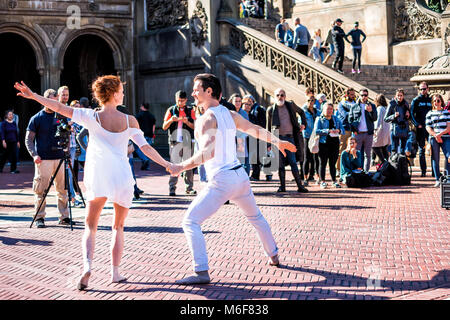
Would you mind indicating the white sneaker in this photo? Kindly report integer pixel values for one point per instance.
(337, 185)
(359, 71)
(437, 184)
(323, 185)
(353, 71)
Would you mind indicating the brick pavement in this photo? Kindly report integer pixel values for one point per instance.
(377, 243)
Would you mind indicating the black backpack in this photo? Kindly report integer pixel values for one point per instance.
(401, 169)
(384, 175)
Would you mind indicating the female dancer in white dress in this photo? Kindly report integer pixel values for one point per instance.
(107, 172)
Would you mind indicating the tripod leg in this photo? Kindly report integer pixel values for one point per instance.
(76, 185)
(46, 192)
(66, 187)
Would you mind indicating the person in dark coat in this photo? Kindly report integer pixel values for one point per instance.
(282, 116)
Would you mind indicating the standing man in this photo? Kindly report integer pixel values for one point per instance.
(356, 43)
(361, 118)
(280, 31)
(257, 116)
(338, 35)
(42, 145)
(342, 113)
(301, 38)
(147, 124)
(282, 116)
(216, 132)
(179, 121)
(420, 106)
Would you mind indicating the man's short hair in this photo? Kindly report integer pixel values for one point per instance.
(423, 82)
(62, 88)
(209, 80)
(49, 92)
(364, 90)
(84, 102)
(309, 91)
(347, 92)
(146, 105)
(180, 94)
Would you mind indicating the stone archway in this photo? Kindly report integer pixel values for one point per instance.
(106, 51)
(22, 60)
(87, 57)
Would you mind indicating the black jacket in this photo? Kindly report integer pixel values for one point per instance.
(146, 122)
(355, 113)
(338, 36)
(420, 106)
(273, 123)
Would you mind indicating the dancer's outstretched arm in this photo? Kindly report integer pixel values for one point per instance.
(53, 105)
(261, 133)
(147, 149)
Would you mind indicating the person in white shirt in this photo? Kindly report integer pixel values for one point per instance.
(227, 180)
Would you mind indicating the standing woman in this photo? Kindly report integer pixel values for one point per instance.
(315, 49)
(329, 41)
(381, 135)
(10, 140)
(241, 137)
(437, 123)
(311, 160)
(107, 173)
(398, 115)
(328, 127)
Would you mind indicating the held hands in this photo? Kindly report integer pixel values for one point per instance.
(174, 169)
(25, 92)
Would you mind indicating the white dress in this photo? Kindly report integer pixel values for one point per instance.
(107, 172)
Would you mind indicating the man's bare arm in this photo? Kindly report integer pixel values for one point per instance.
(260, 133)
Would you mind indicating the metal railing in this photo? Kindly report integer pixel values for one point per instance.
(245, 41)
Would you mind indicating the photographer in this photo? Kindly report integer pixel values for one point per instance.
(42, 145)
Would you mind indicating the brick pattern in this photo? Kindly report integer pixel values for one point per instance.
(377, 243)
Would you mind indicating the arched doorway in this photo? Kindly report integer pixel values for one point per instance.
(87, 57)
(18, 63)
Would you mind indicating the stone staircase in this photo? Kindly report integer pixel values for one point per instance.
(379, 78)
(262, 25)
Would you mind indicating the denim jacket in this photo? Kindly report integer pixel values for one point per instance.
(322, 124)
(309, 125)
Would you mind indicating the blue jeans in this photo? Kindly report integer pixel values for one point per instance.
(72, 161)
(139, 153)
(290, 156)
(398, 143)
(435, 155)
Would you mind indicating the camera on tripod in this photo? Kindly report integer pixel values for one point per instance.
(63, 131)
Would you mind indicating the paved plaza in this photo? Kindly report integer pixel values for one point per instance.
(376, 243)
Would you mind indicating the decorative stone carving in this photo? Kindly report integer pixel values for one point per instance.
(52, 30)
(92, 6)
(166, 13)
(199, 25)
(12, 4)
(412, 24)
(447, 38)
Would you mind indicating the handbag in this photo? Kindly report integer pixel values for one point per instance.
(400, 130)
(313, 143)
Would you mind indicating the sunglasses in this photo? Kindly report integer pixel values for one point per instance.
(364, 95)
(437, 100)
(280, 95)
(311, 100)
(422, 89)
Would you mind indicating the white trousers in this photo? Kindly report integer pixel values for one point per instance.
(231, 185)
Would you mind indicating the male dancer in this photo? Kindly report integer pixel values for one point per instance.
(227, 180)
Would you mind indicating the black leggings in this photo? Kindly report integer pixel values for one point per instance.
(381, 153)
(311, 162)
(328, 152)
(10, 153)
(356, 58)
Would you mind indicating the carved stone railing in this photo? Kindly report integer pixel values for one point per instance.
(239, 39)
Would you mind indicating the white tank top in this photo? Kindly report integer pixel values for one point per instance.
(225, 143)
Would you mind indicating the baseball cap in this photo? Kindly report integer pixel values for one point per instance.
(356, 23)
(339, 20)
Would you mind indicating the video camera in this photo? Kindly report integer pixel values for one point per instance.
(63, 131)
